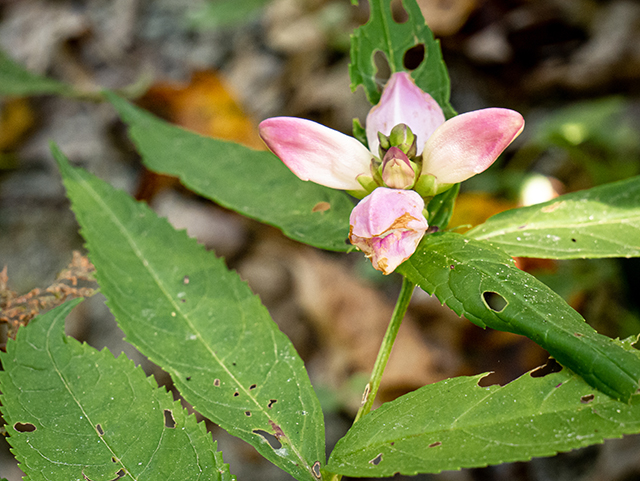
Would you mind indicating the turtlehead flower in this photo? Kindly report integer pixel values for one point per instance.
(387, 226)
(413, 155)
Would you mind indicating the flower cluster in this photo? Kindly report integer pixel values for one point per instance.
(413, 155)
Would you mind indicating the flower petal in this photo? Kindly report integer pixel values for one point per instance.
(317, 153)
(387, 226)
(469, 143)
(403, 102)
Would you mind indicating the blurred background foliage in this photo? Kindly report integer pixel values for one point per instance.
(572, 67)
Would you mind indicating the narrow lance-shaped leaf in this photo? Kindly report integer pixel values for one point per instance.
(17, 80)
(457, 424)
(382, 33)
(75, 413)
(465, 274)
(181, 307)
(252, 182)
(600, 222)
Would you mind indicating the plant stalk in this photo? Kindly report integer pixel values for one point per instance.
(371, 390)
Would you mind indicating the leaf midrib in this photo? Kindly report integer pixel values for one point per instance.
(145, 263)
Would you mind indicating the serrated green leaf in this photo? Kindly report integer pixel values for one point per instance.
(600, 222)
(462, 271)
(181, 307)
(457, 424)
(382, 33)
(254, 183)
(16, 80)
(441, 207)
(82, 414)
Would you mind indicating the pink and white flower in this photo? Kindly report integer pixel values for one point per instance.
(445, 153)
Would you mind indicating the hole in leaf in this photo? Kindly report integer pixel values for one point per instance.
(271, 403)
(321, 207)
(236, 394)
(100, 430)
(188, 378)
(252, 387)
(550, 367)
(113, 459)
(270, 438)
(24, 427)
(587, 399)
(247, 413)
(573, 240)
(121, 474)
(435, 445)
(216, 382)
(375, 461)
(494, 301)
(398, 13)
(383, 72)
(316, 469)
(169, 421)
(413, 57)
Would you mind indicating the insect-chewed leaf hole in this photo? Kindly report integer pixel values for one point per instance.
(247, 413)
(169, 421)
(24, 427)
(271, 403)
(316, 470)
(375, 461)
(494, 301)
(270, 438)
(121, 474)
(587, 398)
(100, 430)
(216, 382)
(252, 387)
(435, 445)
(398, 12)
(413, 57)
(113, 459)
(236, 394)
(549, 368)
(383, 71)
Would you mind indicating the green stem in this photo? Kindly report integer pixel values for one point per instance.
(373, 385)
(369, 396)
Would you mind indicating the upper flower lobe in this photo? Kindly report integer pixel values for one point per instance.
(403, 102)
(315, 152)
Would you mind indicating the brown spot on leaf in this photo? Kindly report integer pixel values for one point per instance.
(552, 207)
(435, 445)
(321, 207)
(277, 430)
(216, 382)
